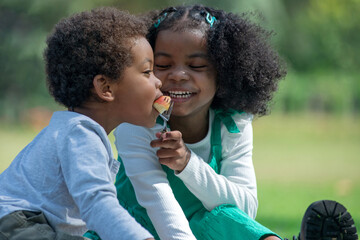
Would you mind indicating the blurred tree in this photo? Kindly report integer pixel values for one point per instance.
(314, 37)
(320, 42)
(323, 35)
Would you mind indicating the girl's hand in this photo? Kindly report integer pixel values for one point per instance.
(173, 152)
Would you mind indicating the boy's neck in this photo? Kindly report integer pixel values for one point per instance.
(98, 113)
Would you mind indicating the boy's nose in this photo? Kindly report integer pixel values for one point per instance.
(158, 83)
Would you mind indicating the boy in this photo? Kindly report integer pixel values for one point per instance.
(99, 65)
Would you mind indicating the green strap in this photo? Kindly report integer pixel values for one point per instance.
(92, 235)
(226, 118)
(215, 141)
(159, 120)
(216, 149)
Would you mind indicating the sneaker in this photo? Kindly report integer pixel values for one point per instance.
(327, 220)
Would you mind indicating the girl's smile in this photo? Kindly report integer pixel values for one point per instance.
(180, 94)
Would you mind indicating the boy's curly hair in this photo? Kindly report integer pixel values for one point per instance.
(248, 69)
(85, 45)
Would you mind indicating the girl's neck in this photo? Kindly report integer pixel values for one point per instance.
(192, 130)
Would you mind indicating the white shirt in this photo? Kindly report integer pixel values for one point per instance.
(236, 183)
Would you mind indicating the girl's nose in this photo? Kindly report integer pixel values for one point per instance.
(179, 75)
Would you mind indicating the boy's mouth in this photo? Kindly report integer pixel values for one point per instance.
(180, 94)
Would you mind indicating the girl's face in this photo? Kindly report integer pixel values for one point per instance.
(138, 88)
(187, 76)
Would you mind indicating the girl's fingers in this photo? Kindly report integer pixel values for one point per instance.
(170, 153)
(166, 161)
(173, 135)
(165, 143)
(168, 140)
(156, 143)
(160, 135)
(176, 163)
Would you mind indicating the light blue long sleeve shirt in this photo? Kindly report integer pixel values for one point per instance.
(67, 172)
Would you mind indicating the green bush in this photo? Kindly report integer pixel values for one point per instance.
(330, 92)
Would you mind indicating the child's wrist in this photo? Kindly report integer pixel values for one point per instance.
(187, 159)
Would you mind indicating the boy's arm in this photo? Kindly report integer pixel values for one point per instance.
(85, 167)
(236, 183)
(150, 183)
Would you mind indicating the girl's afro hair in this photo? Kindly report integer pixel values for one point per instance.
(248, 69)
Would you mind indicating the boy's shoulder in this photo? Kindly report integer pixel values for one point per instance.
(66, 122)
(68, 118)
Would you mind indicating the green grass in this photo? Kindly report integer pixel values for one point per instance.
(298, 159)
(301, 159)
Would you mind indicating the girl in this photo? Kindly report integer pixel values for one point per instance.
(198, 179)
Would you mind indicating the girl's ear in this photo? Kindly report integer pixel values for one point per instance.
(103, 88)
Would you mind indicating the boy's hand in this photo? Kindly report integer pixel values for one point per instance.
(173, 152)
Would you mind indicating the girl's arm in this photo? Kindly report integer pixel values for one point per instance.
(151, 186)
(236, 183)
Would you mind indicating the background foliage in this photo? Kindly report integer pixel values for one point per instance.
(319, 40)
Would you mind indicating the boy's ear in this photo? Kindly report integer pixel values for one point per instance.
(103, 88)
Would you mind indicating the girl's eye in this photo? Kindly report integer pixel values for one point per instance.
(162, 66)
(198, 66)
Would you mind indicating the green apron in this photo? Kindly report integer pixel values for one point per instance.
(222, 223)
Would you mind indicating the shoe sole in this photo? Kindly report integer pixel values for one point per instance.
(327, 220)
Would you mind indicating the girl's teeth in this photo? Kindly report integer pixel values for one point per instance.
(179, 94)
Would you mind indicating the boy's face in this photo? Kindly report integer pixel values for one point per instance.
(138, 88)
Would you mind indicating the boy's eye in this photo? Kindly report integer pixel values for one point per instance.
(148, 72)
